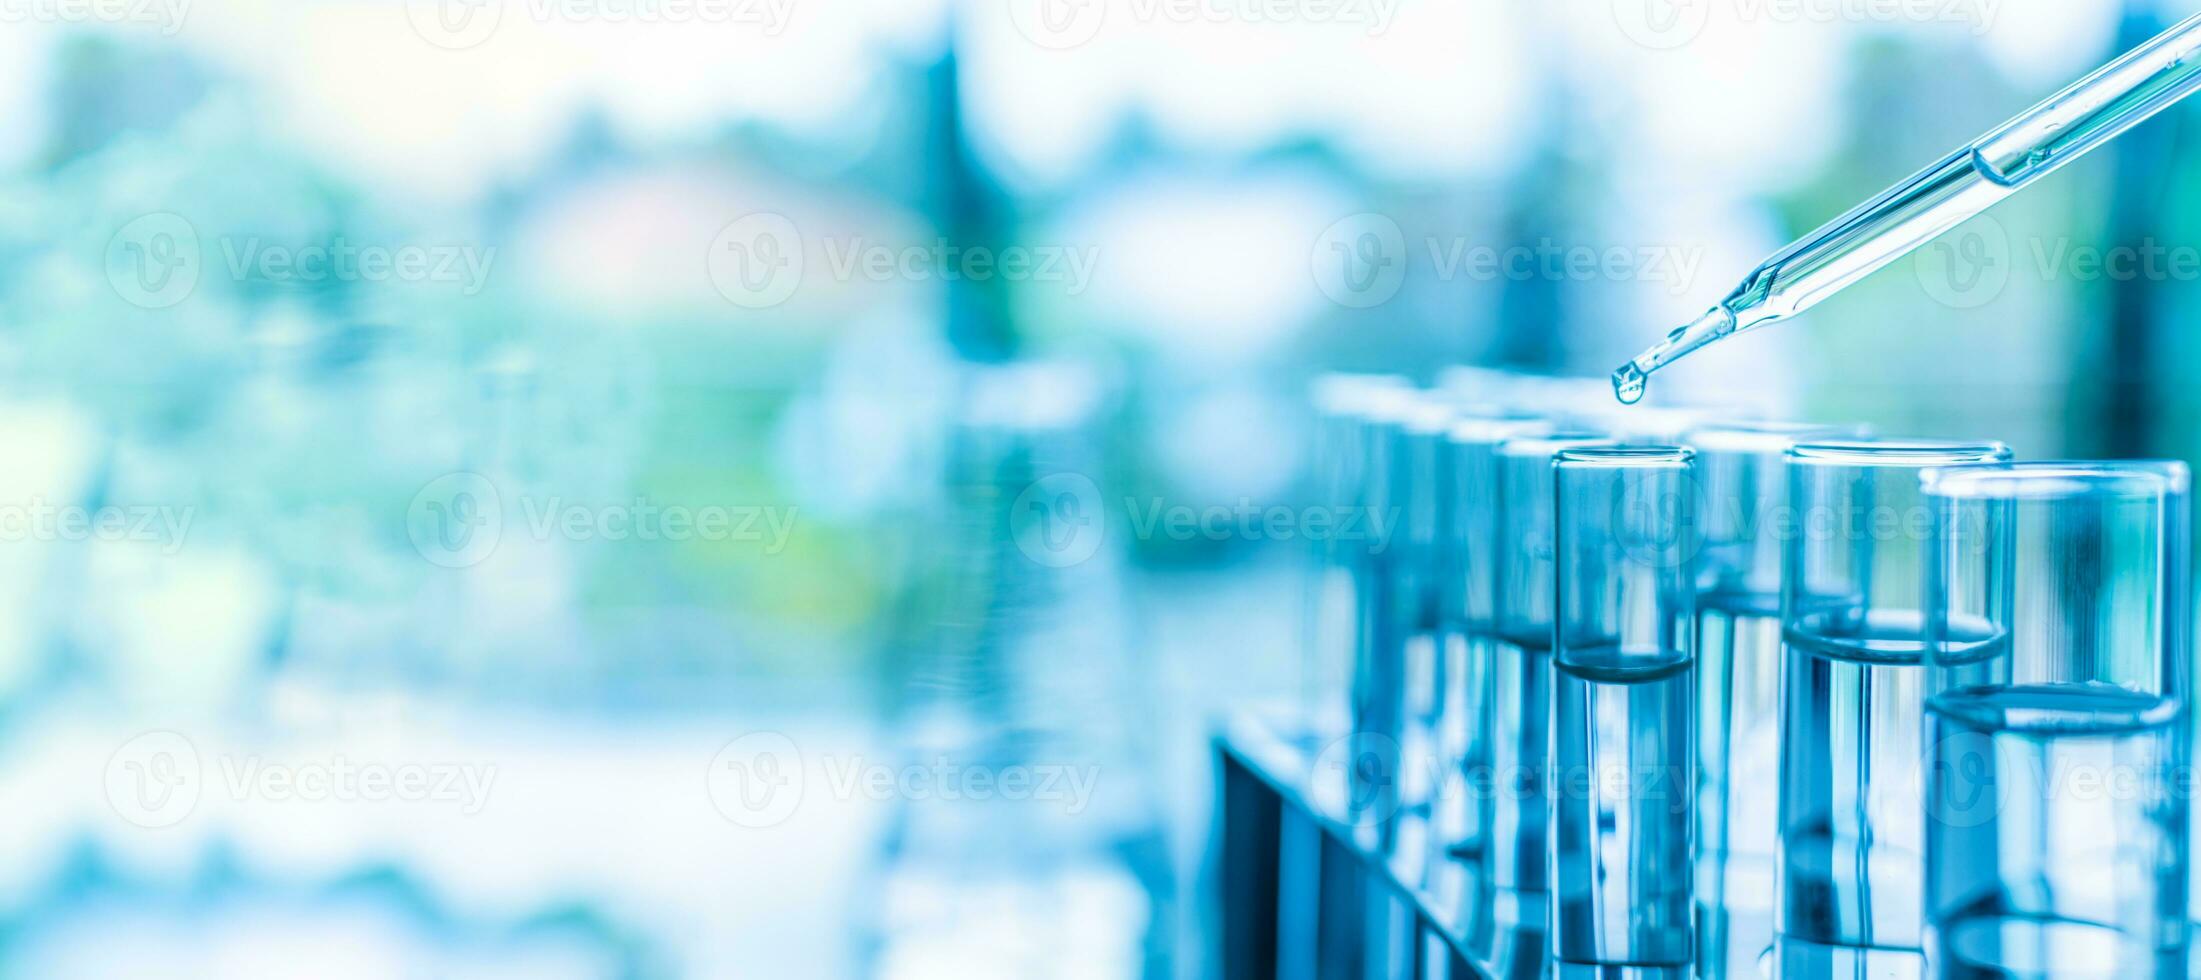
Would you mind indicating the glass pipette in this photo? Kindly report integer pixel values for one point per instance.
(2060, 129)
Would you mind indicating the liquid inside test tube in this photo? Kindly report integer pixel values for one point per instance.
(1517, 685)
(1851, 809)
(1742, 469)
(1470, 556)
(1622, 798)
(2057, 727)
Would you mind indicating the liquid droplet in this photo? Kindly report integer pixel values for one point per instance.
(1628, 384)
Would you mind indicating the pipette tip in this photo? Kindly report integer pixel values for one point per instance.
(1628, 383)
(1633, 377)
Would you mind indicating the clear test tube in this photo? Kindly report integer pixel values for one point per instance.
(1851, 841)
(1413, 518)
(1386, 590)
(1422, 531)
(1742, 468)
(2178, 594)
(1517, 687)
(1471, 554)
(2057, 722)
(1623, 734)
(1344, 405)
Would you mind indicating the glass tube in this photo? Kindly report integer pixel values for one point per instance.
(1414, 558)
(1742, 467)
(1343, 405)
(1471, 556)
(1517, 687)
(1423, 529)
(1850, 846)
(2178, 596)
(1623, 708)
(1386, 592)
(2056, 822)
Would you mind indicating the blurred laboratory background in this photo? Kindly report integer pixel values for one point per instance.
(771, 488)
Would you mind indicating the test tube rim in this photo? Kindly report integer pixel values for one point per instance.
(1762, 438)
(2175, 477)
(1550, 444)
(1625, 457)
(2056, 480)
(1902, 453)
